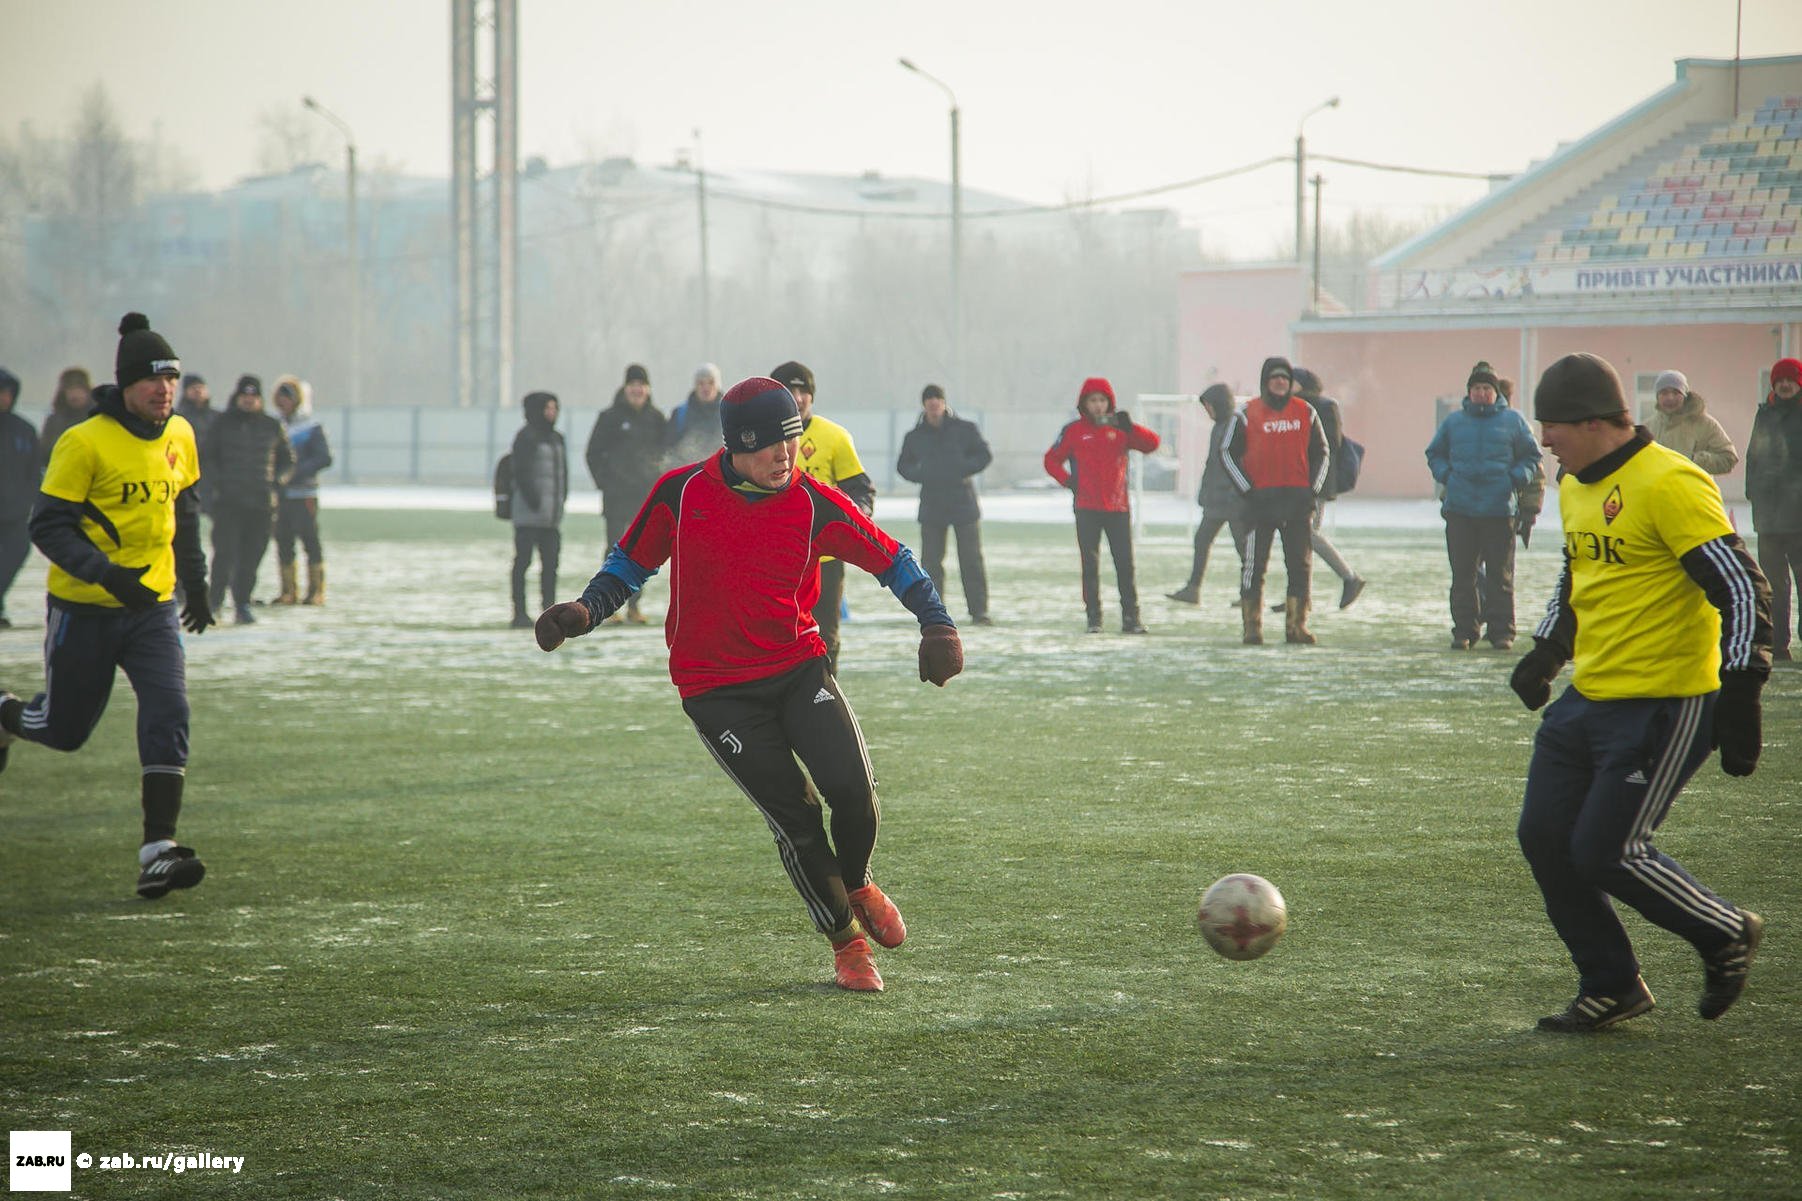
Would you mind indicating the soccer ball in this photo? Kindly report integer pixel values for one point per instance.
(1242, 915)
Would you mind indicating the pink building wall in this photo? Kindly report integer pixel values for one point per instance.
(1387, 382)
(1232, 319)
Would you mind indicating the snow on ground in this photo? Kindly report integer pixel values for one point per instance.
(1039, 505)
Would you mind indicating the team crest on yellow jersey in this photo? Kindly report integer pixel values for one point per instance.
(1611, 508)
(170, 455)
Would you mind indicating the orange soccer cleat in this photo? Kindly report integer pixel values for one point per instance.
(878, 915)
(855, 967)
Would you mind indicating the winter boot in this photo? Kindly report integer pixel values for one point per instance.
(1251, 615)
(290, 593)
(315, 584)
(1295, 621)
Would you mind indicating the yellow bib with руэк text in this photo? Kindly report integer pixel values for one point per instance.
(126, 486)
(1644, 627)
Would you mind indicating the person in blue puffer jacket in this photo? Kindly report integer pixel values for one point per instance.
(1481, 456)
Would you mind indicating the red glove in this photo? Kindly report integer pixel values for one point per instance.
(941, 654)
(559, 622)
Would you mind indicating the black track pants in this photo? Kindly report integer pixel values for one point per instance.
(755, 732)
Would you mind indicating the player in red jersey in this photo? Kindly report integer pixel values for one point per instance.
(743, 532)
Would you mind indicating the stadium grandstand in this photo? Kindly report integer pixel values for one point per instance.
(1670, 237)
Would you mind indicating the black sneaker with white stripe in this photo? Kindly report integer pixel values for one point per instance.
(175, 867)
(1727, 968)
(1589, 1013)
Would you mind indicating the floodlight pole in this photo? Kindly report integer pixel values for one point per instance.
(352, 245)
(1301, 170)
(957, 232)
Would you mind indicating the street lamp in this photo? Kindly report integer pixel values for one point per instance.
(354, 250)
(957, 234)
(1301, 170)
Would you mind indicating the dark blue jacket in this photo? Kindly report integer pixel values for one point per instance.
(19, 470)
(1482, 455)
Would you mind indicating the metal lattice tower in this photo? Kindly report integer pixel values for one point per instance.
(484, 198)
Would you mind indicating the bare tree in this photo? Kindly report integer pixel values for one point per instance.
(289, 137)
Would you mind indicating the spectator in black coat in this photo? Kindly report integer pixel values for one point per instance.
(540, 488)
(943, 453)
(625, 457)
(1308, 387)
(74, 401)
(19, 476)
(1221, 504)
(196, 404)
(246, 456)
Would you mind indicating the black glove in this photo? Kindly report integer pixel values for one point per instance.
(1738, 722)
(126, 584)
(1533, 675)
(1070, 483)
(1122, 422)
(197, 613)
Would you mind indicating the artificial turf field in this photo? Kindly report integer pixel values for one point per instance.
(481, 922)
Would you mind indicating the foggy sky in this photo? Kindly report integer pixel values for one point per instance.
(1059, 100)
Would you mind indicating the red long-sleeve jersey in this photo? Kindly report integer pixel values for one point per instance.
(744, 569)
(1095, 457)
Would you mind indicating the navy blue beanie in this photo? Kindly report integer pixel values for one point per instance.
(756, 413)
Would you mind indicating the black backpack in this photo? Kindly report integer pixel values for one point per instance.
(503, 487)
(1347, 465)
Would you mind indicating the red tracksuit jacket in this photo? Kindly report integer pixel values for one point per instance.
(1096, 458)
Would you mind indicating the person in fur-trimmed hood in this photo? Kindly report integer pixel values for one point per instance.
(1682, 423)
(297, 513)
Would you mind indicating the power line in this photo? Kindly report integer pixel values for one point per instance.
(1489, 177)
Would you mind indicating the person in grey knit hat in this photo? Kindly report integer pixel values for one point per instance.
(1681, 422)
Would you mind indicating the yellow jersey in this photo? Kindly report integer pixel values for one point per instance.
(1644, 627)
(826, 451)
(127, 488)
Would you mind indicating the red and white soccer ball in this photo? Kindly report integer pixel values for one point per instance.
(1242, 915)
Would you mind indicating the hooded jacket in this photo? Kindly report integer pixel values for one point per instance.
(1090, 459)
(1217, 494)
(540, 469)
(693, 430)
(1774, 466)
(942, 459)
(1692, 433)
(312, 453)
(1483, 455)
(1276, 452)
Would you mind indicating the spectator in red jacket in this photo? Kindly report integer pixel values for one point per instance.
(1089, 458)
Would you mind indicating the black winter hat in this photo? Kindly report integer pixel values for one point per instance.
(756, 413)
(142, 352)
(1307, 381)
(535, 404)
(1483, 373)
(1578, 387)
(247, 384)
(190, 379)
(1275, 365)
(794, 376)
(636, 374)
(931, 391)
(9, 382)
